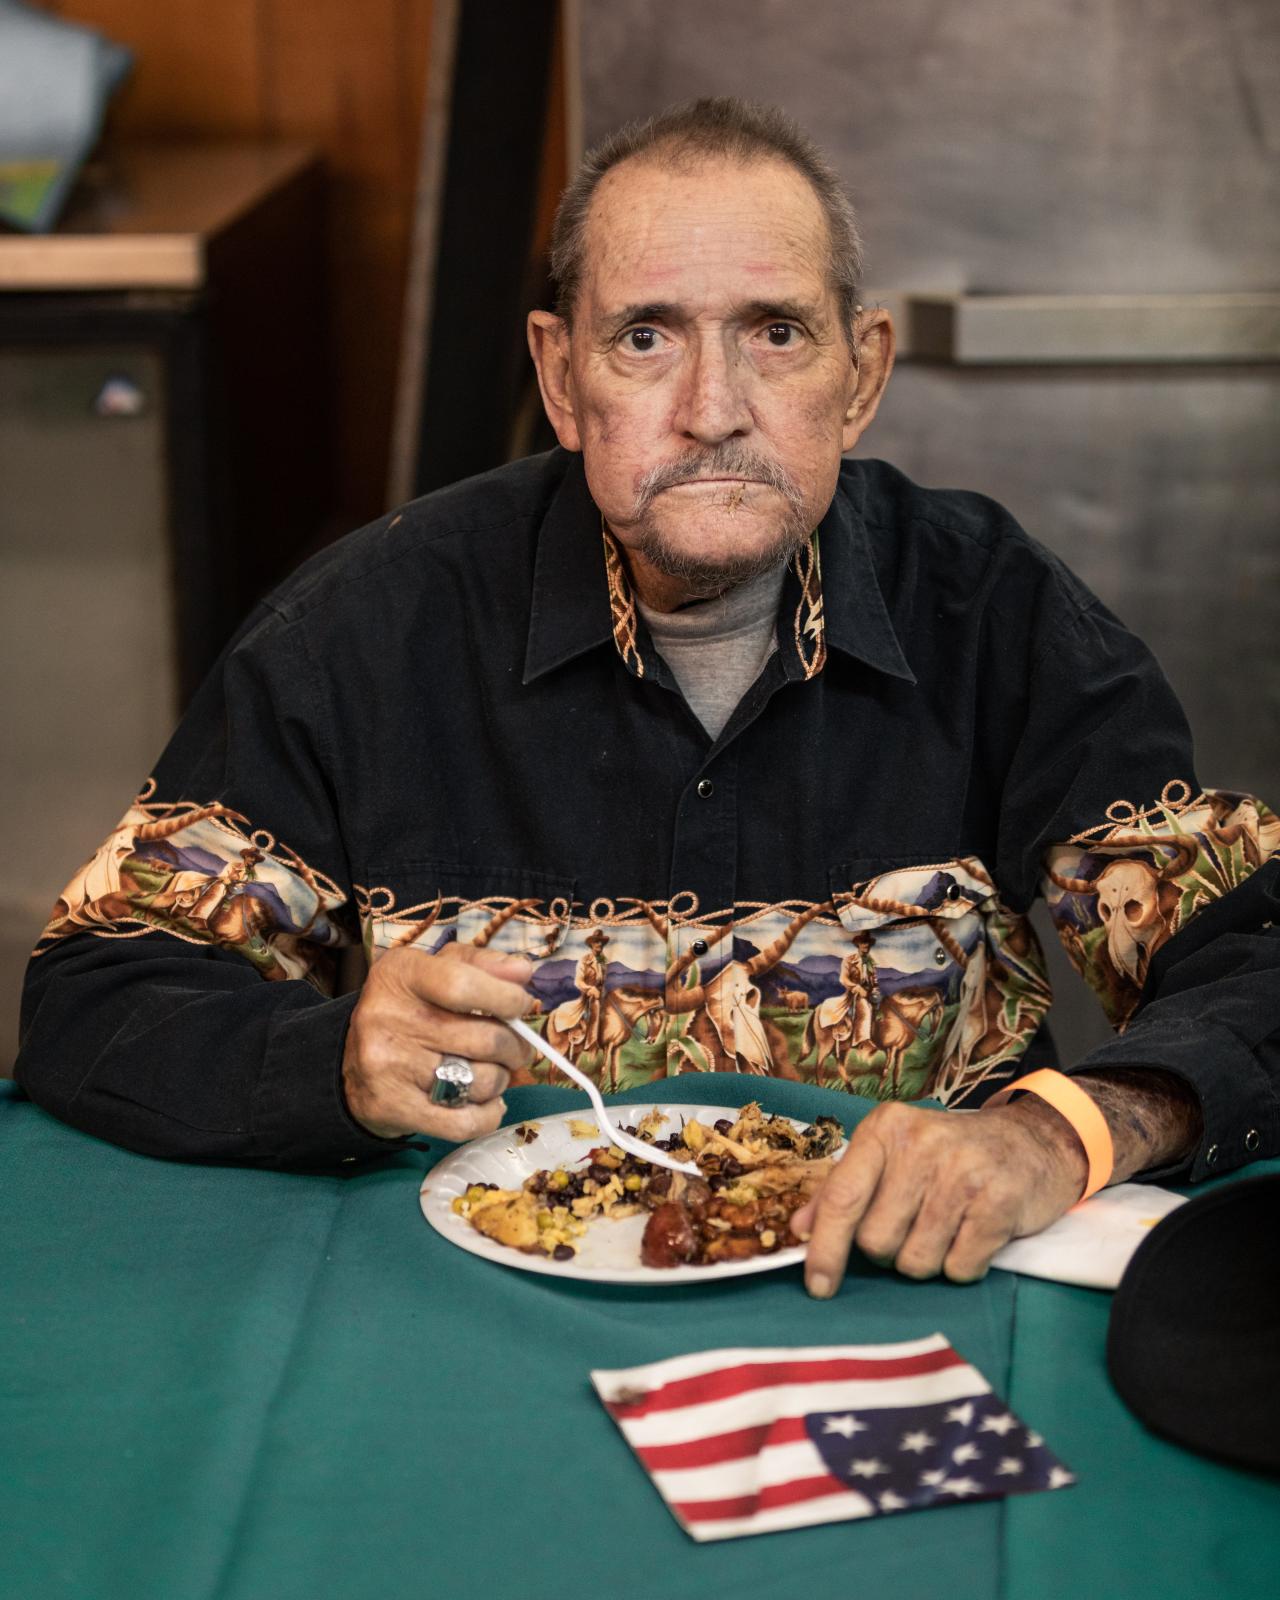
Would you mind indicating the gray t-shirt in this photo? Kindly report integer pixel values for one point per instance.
(716, 648)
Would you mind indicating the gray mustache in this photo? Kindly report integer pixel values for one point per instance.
(714, 464)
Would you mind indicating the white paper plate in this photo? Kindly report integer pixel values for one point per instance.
(608, 1252)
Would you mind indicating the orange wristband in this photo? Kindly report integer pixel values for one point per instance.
(1071, 1102)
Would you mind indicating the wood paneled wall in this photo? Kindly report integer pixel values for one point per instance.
(346, 78)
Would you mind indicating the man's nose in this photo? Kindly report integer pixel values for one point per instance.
(713, 404)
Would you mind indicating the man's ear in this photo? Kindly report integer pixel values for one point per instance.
(874, 342)
(549, 347)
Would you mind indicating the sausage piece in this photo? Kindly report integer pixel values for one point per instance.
(668, 1237)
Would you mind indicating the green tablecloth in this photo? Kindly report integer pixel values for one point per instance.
(220, 1384)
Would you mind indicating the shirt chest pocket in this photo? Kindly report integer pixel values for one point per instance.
(920, 924)
(427, 904)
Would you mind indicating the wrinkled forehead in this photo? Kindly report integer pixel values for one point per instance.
(664, 228)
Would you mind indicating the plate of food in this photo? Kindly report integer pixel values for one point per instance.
(552, 1195)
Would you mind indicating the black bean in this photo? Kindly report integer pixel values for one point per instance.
(732, 1167)
(724, 1125)
(563, 1252)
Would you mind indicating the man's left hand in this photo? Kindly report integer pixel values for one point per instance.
(940, 1191)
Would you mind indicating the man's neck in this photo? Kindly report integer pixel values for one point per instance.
(716, 648)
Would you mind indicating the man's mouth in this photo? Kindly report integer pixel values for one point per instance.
(696, 483)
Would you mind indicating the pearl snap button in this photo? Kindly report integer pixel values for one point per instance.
(705, 788)
(700, 947)
(1251, 1139)
(940, 957)
(1211, 1156)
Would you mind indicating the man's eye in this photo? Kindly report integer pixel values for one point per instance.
(641, 340)
(781, 334)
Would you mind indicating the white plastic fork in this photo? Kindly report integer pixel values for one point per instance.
(624, 1141)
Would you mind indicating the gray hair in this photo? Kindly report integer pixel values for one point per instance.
(720, 127)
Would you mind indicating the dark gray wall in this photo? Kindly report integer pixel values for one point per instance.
(1051, 145)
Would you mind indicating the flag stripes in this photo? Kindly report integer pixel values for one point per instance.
(730, 1381)
(770, 1498)
(772, 1470)
(722, 1446)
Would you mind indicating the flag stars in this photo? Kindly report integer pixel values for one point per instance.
(961, 1449)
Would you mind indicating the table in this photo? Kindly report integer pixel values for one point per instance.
(222, 1384)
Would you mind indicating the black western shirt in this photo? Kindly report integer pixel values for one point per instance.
(454, 725)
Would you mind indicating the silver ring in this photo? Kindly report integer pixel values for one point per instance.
(453, 1080)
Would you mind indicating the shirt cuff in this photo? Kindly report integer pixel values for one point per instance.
(1239, 1106)
(300, 1112)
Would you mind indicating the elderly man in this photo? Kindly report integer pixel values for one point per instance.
(752, 708)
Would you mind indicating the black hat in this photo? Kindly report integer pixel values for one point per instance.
(1194, 1342)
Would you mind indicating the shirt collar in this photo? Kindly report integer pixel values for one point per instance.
(571, 599)
(857, 618)
(582, 596)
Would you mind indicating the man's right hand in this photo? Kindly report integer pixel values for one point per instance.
(416, 1008)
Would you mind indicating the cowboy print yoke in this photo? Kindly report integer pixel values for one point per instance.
(454, 725)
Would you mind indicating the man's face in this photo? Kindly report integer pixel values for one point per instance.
(708, 380)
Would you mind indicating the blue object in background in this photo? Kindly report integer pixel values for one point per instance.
(55, 81)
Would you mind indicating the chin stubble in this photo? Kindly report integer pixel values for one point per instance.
(706, 576)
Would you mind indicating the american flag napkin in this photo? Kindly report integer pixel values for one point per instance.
(755, 1441)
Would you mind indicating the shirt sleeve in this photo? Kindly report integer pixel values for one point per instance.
(180, 1000)
(1165, 896)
